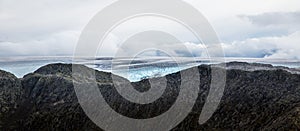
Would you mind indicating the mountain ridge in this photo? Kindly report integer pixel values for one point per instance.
(253, 99)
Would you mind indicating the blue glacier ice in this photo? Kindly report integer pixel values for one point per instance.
(135, 69)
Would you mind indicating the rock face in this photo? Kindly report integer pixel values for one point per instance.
(258, 100)
(10, 99)
(256, 97)
(52, 101)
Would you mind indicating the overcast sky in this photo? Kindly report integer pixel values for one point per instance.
(246, 28)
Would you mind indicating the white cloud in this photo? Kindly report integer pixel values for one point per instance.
(52, 27)
(275, 18)
(60, 43)
(49, 27)
(286, 47)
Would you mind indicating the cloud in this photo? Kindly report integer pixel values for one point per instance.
(60, 43)
(286, 47)
(49, 27)
(52, 27)
(274, 23)
(275, 19)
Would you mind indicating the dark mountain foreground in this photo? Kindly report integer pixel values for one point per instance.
(256, 97)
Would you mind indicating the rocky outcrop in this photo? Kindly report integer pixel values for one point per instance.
(52, 100)
(10, 98)
(256, 97)
(256, 100)
(257, 67)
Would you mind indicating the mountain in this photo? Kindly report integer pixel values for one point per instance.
(11, 95)
(256, 97)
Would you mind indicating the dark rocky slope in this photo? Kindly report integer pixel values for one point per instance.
(10, 99)
(256, 97)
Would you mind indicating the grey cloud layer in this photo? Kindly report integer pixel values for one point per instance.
(43, 28)
(275, 18)
(52, 27)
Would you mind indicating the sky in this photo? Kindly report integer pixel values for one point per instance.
(246, 28)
